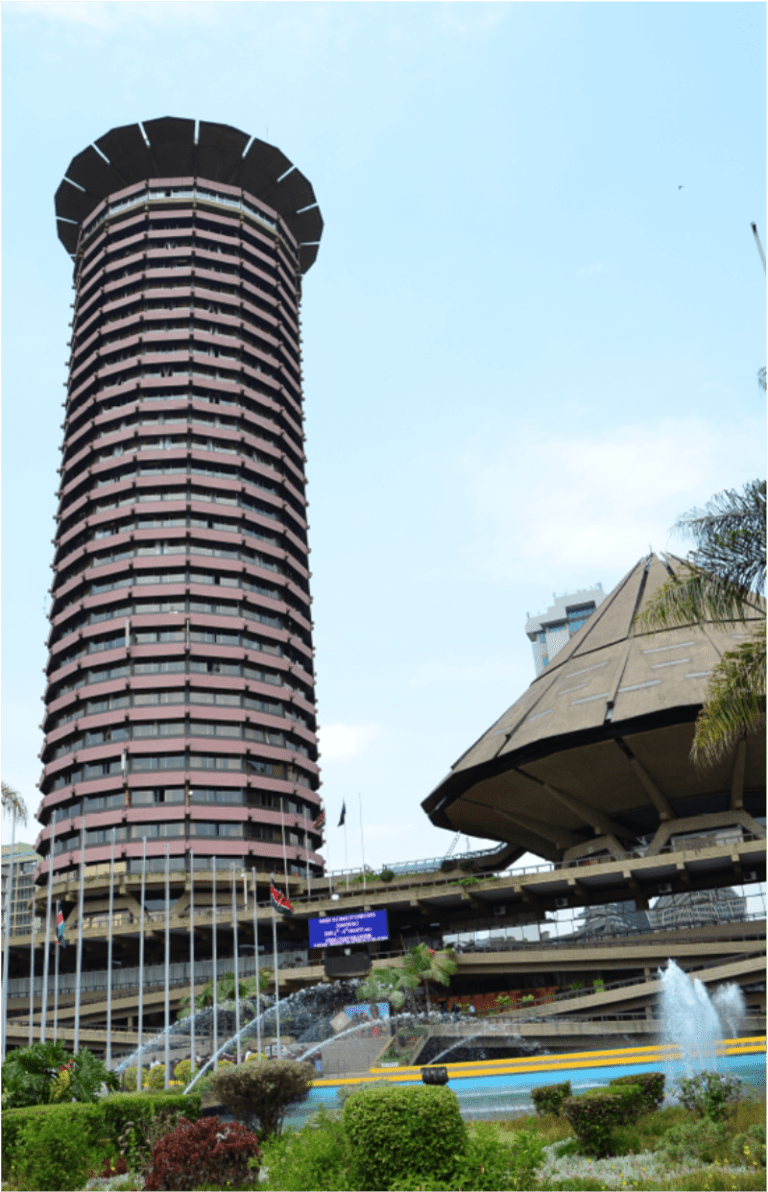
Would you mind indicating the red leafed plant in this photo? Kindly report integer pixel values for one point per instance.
(208, 1151)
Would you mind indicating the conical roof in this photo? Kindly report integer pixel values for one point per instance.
(609, 719)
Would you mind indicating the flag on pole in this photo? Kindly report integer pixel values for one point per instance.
(319, 822)
(343, 815)
(60, 927)
(280, 902)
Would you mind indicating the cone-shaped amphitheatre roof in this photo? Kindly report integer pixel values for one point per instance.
(599, 743)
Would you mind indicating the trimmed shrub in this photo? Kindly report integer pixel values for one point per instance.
(549, 1098)
(205, 1152)
(402, 1133)
(652, 1084)
(182, 1071)
(52, 1147)
(259, 1094)
(386, 875)
(593, 1115)
(155, 1078)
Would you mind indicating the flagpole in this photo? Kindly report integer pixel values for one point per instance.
(346, 850)
(237, 968)
(256, 961)
(362, 842)
(192, 1068)
(109, 948)
(8, 930)
(47, 957)
(79, 963)
(141, 963)
(56, 980)
(215, 974)
(32, 972)
(167, 964)
(277, 978)
(285, 855)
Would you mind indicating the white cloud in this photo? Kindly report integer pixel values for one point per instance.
(591, 270)
(346, 740)
(545, 502)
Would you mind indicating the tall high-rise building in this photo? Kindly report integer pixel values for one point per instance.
(180, 701)
(550, 631)
(25, 861)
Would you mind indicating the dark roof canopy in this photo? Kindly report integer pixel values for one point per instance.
(600, 741)
(173, 152)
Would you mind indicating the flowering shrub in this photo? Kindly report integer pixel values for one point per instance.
(183, 1071)
(155, 1077)
(204, 1152)
(710, 1094)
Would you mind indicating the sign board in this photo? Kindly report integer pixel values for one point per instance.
(336, 930)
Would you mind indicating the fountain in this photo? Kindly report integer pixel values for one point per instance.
(694, 1021)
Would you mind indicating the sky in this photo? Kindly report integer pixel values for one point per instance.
(531, 336)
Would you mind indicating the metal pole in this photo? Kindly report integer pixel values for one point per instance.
(141, 962)
(8, 929)
(79, 963)
(109, 948)
(47, 956)
(362, 842)
(757, 242)
(285, 855)
(237, 969)
(193, 1067)
(306, 850)
(277, 978)
(346, 852)
(32, 972)
(256, 964)
(167, 963)
(215, 974)
(56, 981)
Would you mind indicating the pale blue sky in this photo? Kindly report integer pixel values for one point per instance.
(526, 349)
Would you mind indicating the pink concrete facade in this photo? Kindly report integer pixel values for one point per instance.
(180, 701)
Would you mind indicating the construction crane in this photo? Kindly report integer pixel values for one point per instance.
(759, 245)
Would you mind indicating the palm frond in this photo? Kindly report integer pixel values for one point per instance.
(693, 597)
(729, 536)
(734, 704)
(13, 803)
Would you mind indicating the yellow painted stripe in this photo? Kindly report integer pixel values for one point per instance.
(595, 1059)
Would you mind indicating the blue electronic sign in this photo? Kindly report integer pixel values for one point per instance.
(364, 928)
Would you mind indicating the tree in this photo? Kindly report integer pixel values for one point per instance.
(225, 991)
(396, 983)
(13, 803)
(258, 1094)
(724, 575)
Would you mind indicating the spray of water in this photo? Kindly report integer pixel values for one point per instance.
(694, 1021)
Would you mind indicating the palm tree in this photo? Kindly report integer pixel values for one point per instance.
(225, 991)
(420, 966)
(724, 575)
(13, 803)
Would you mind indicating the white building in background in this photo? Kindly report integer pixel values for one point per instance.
(25, 862)
(552, 630)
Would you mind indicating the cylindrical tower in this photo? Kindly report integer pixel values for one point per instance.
(180, 684)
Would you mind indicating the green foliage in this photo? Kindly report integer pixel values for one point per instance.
(490, 1162)
(652, 1085)
(155, 1077)
(403, 1133)
(701, 1141)
(128, 1079)
(710, 1094)
(503, 1001)
(316, 1157)
(225, 991)
(748, 1149)
(33, 1076)
(594, 1114)
(393, 983)
(183, 1071)
(386, 875)
(259, 1094)
(55, 1148)
(549, 1098)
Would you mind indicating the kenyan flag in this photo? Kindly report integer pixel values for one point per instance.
(60, 927)
(280, 902)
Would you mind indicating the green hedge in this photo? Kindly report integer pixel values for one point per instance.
(402, 1132)
(652, 1084)
(549, 1098)
(594, 1114)
(53, 1146)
